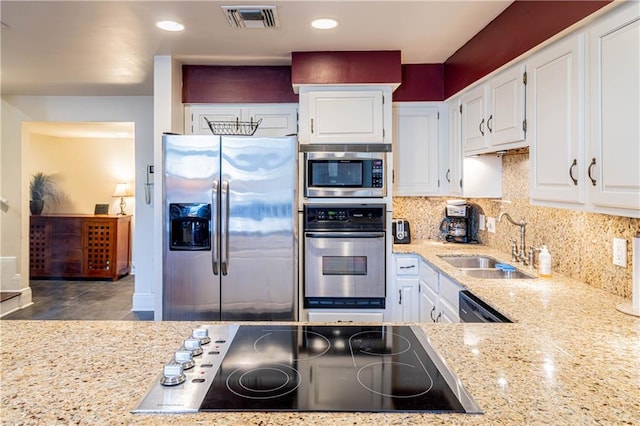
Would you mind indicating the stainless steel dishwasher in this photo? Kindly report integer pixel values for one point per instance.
(474, 309)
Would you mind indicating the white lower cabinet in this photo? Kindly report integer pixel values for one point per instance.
(421, 293)
(405, 302)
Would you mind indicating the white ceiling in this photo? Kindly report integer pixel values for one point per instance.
(107, 47)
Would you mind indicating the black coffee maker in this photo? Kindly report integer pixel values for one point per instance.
(460, 224)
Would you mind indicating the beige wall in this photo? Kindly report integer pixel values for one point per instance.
(580, 243)
(85, 170)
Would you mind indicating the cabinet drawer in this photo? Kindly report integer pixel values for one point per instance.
(66, 253)
(407, 265)
(66, 241)
(429, 276)
(65, 267)
(73, 227)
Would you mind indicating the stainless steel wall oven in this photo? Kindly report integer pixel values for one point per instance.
(344, 256)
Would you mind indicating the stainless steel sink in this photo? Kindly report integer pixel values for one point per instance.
(475, 261)
(480, 266)
(496, 274)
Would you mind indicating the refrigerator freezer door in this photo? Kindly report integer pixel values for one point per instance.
(190, 289)
(259, 228)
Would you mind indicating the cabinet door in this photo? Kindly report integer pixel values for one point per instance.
(99, 238)
(39, 246)
(473, 121)
(555, 94)
(449, 295)
(505, 124)
(613, 172)
(276, 121)
(428, 301)
(346, 116)
(196, 124)
(454, 174)
(415, 149)
(408, 302)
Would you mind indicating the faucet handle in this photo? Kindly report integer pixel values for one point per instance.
(514, 250)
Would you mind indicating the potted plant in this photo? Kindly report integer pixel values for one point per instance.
(41, 188)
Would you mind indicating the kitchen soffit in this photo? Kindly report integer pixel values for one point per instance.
(107, 48)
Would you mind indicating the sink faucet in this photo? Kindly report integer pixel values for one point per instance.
(520, 253)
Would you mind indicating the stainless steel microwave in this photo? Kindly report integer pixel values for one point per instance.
(345, 174)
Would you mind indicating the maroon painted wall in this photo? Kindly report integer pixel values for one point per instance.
(420, 82)
(520, 27)
(242, 84)
(380, 66)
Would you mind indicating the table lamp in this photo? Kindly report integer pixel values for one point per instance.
(122, 190)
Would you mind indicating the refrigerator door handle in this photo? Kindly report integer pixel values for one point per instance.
(216, 226)
(225, 229)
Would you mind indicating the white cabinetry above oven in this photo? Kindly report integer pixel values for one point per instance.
(349, 114)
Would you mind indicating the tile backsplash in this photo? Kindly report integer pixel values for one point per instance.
(580, 243)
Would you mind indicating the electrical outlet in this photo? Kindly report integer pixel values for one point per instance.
(620, 252)
(491, 224)
(481, 222)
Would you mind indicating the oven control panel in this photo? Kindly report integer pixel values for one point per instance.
(369, 217)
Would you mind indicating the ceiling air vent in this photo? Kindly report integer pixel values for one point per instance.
(251, 16)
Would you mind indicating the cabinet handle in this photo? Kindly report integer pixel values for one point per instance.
(399, 297)
(574, 164)
(431, 314)
(448, 175)
(312, 125)
(438, 318)
(593, 163)
(408, 267)
(489, 123)
(481, 127)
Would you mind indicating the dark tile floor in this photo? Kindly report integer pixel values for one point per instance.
(81, 300)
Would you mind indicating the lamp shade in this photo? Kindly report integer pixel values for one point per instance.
(122, 190)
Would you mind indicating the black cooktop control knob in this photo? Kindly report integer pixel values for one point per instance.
(172, 374)
(201, 334)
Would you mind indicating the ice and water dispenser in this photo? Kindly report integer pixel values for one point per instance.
(190, 226)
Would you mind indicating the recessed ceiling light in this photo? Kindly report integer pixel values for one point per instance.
(324, 23)
(170, 26)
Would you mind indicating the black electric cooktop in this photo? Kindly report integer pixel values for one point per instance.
(321, 368)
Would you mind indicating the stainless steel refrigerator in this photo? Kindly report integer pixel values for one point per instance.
(230, 237)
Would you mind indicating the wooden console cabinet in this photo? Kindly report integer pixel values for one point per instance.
(79, 246)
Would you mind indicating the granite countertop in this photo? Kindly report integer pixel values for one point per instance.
(570, 358)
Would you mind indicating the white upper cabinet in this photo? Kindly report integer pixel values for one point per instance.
(613, 169)
(585, 137)
(277, 119)
(493, 114)
(415, 148)
(454, 172)
(554, 108)
(351, 114)
(470, 177)
(473, 120)
(506, 123)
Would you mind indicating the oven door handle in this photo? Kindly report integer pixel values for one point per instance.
(344, 234)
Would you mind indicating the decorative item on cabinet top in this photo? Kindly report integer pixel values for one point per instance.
(233, 128)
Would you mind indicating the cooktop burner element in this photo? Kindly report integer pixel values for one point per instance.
(315, 368)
